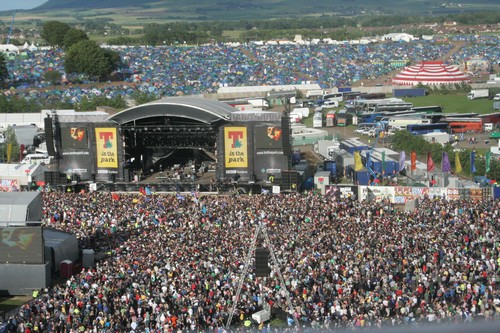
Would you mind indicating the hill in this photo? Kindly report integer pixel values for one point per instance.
(265, 9)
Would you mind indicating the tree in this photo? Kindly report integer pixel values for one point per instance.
(10, 139)
(4, 72)
(87, 58)
(53, 33)
(74, 36)
(52, 76)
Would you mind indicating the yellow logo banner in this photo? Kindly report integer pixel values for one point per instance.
(236, 150)
(107, 147)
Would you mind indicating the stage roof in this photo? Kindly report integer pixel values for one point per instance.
(196, 108)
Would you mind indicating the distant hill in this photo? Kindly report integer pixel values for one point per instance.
(266, 9)
(88, 4)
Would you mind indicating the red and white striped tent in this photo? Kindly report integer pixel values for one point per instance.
(430, 73)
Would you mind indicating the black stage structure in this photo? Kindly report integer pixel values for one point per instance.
(175, 144)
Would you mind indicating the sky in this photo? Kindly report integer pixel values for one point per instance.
(20, 4)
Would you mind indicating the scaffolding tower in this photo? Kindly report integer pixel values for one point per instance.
(261, 228)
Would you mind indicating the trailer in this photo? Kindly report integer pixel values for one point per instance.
(303, 111)
(478, 93)
(330, 118)
(318, 120)
(408, 92)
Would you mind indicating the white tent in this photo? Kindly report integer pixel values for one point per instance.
(9, 48)
(13, 176)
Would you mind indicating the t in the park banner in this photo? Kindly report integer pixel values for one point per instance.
(106, 147)
(235, 147)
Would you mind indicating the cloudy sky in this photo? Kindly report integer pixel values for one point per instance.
(20, 4)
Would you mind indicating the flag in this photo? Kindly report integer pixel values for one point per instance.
(472, 161)
(142, 191)
(402, 160)
(147, 190)
(383, 162)
(358, 165)
(458, 165)
(487, 162)
(413, 157)
(9, 151)
(115, 196)
(179, 197)
(430, 163)
(445, 163)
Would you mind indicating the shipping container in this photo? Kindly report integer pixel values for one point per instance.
(408, 92)
(330, 166)
(351, 145)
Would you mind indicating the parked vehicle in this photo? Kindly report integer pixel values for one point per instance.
(36, 159)
(478, 93)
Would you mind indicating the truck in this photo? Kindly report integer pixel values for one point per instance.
(324, 148)
(408, 92)
(303, 111)
(318, 120)
(478, 93)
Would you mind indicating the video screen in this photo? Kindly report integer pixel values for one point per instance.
(268, 137)
(21, 245)
(74, 138)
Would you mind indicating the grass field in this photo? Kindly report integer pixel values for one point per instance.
(454, 103)
(11, 303)
(450, 104)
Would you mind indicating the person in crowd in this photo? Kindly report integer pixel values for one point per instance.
(173, 263)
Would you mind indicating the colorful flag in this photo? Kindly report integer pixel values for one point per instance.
(430, 163)
(402, 160)
(413, 157)
(472, 162)
(142, 191)
(115, 196)
(147, 190)
(9, 152)
(358, 165)
(458, 165)
(487, 162)
(445, 163)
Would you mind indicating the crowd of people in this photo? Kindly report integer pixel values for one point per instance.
(190, 70)
(173, 263)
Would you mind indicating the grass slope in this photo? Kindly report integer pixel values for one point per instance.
(266, 9)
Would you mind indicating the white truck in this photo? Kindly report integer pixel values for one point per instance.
(478, 93)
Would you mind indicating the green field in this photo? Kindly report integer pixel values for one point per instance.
(450, 104)
(454, 103)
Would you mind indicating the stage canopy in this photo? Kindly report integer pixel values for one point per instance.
(200, 109)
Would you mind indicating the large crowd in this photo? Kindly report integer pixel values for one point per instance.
(172, 263)
(189, 70)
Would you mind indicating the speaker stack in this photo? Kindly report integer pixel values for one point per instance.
(49, 136)
(285, 134)
(261, 263)
(289, 180)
